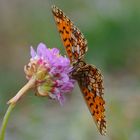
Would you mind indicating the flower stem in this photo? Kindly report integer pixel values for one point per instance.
(22, 91)
(12, 102)
(5, 121)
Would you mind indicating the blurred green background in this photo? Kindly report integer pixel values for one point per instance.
(112, 28)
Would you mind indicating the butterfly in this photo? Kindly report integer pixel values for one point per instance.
(89, 78)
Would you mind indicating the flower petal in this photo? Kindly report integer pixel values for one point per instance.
(61, 99)
(32, 51)
(55, 51)
(41, 50)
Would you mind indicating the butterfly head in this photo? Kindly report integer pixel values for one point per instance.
(77, 66)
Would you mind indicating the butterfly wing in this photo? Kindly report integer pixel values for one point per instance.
(89, 78)
(91, 84)
(73, 40)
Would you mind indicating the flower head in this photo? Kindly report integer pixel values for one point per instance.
(51, 71)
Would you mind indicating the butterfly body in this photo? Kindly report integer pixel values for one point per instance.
(89, 78)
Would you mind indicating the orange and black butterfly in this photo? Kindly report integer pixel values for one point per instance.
(88, 76)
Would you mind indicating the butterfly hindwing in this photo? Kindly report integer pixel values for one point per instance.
(91, 84)
(73, 40)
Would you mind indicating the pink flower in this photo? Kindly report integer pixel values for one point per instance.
(51, 71)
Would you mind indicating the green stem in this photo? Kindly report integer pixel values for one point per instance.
(30, 84)
(12, 102)
(5, 121)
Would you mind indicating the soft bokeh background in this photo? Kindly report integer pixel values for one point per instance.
(112, 28)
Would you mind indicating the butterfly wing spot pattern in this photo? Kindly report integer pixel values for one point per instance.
(73, 40)
(64, 28)
(89, 77)
(91, 85)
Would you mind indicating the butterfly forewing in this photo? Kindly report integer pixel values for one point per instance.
(91, 85)
(73, 40)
